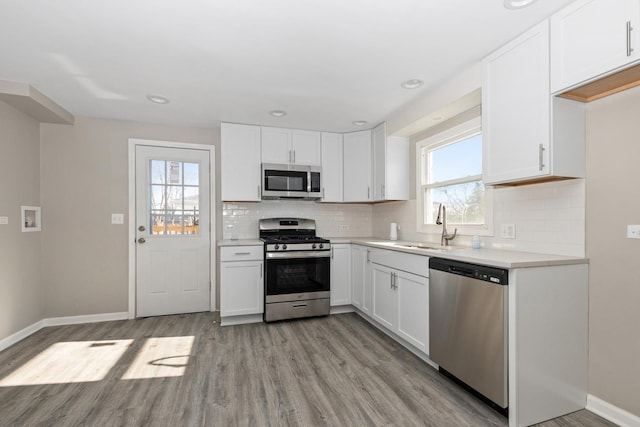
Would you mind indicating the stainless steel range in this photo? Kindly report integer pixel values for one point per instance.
(297, 269)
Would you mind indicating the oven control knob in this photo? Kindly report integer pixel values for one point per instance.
(321, 246)
(313, 246)
(276, 247)
(284, 247)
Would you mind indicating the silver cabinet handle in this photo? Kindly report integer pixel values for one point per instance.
(141, 228)
(261, 270)
(368, 252)
(242, 253)
(323, 193)
(541, 164)
(629, 29)
(382, 191)
(259, 192)
(141, 240)
(331, 252)
(290, 157)
(368, 192)
(294, 156)
(299, 305)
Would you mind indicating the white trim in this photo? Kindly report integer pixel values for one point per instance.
(241, 320)
(133, 143)
(87, 318)
(59, 321)
(611, 413)
(20, 335)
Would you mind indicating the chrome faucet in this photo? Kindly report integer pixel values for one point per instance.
(442, 220)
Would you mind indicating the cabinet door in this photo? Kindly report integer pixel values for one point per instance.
(379, 147)
(413, 309)
(332, 167)
(276, 145)
(357, 166)
(358, 265)
(241, 288)
(340, 274)
(385, 301)
(240, 162)
(592, 37)
(305, 147)
(397, 169)
(516, 109)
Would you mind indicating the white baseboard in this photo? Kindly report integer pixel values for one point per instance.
(612, 413)
(20, 335)
(59, 321)
(88, 318)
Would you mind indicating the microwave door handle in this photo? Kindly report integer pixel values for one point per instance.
(308, 181)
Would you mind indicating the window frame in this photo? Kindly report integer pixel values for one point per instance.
(450, 136)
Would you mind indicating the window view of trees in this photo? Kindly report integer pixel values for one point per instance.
(451, 171)
(174, 198)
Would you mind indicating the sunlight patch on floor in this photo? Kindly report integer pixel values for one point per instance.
(69, 362)
(161, 357)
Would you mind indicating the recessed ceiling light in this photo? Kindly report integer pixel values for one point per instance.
(359, 122)
(517, 4)
(158, 99)
(278, 113)
(411, 84)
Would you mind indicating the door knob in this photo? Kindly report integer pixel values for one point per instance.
(141, 228)
(141, 240)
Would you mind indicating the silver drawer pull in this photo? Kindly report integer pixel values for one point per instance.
(243, 253)
(299, 305)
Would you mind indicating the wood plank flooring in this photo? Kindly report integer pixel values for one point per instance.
(186, 370)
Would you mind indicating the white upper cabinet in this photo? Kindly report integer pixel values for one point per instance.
(280, 145)
(276, 145)
(332, 164)
(527, 134)
(357, 166)
(589, 38)
(306, 147)
(240, 162)
(390, 165)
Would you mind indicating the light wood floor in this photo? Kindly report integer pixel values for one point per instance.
(186, 370)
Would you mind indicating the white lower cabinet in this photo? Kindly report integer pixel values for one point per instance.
(401, 304)
(361, 286)
(241, 284)
(340, 274)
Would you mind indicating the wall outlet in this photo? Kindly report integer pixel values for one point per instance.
(344, 227)
(508, 231)
(633, 231)
(117, 218)
(4, 220)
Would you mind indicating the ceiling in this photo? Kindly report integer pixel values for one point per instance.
(326, 63)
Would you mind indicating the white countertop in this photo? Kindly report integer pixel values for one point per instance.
(486, 256)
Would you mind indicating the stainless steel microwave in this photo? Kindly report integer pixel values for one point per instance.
(283, 181)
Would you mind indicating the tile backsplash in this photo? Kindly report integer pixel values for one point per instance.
(549, 218)
(240, 220)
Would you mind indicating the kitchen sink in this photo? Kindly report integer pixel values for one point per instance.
(423, 246)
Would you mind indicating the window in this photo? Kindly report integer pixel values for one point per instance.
(174, 197)
(450, 173)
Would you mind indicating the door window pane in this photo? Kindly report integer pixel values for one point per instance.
(174, 198)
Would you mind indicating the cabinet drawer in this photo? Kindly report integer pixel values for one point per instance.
(241, 253)
(415, 264)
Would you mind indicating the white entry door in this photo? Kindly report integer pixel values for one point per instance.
(173, 239)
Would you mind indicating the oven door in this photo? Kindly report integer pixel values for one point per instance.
(289, 275)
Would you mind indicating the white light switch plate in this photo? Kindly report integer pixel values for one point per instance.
(4, 220)
(633, 231)
(508, 231)
(117, 218)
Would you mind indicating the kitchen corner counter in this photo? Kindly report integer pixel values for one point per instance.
(486, 256)
(240, 242)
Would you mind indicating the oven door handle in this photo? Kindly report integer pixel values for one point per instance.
(298, 254)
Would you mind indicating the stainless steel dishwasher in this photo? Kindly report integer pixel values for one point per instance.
(468, 326)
